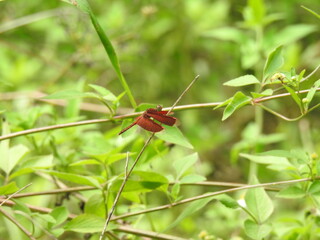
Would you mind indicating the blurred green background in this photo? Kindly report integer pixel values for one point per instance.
(49, 46)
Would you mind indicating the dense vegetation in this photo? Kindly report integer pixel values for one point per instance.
(242, 161)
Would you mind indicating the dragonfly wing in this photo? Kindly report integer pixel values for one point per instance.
(147, 124)
(165, 119)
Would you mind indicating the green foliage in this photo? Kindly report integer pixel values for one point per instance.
(62, 103)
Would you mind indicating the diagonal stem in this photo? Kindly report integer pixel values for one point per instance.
(127, 175)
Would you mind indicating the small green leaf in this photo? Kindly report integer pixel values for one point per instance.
(60, 214)
(175, 189)
(266, 159)
(314, 188)
(239, 100)
(227, 201)
(293, 94)
(225, 103)
(85, 162)
(11, 157)
(256, 231)
(192, 178)
(95, 206)
(274, 62)
(86, 223)
(291, 192)
(144, 106)
(259, 203)
(312, 92)
(174, 135)
(9, 188)
(152, 180)
(83, 180)
(267, 92)
(242, 81)
(191, 209)
(183, 164)
(105, 93)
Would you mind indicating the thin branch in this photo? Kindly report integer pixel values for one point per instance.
(149, 234)
(127, 174)
(88, 188)
(94, 121)
(123, 185)
(132, 115)
(313, 72)
(15, 222)
(188, 200)
(183, 93)
(264, 185)
(264, 99)
(280, 115)
(55, 191)
(12, 195)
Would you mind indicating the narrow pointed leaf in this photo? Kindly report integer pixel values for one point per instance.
(242, 81)
(274, 62)
(239, 100)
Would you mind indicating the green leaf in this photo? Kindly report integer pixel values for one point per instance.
(45, 161)
(192, 178)
(257, 10)
(259, 203)
(239, 100)
(84, 6)
(95, 206)
(314, 188)
(267, 92)
(45, 217)
(312, 92)
(293, 33)
(242, 81)
(146, 181)
(225, 103)
(174, 135)
(144, 106)
(293, 94)
(183, 164)
(86, 223)
(227, 201)
(85, 162)
(83, 180)
(60, 214)
(105, 93)
(291, 192)
(175, 190)
(190, 210)
(9, 188)
(274, 62)
(11, 157)
(151, 180)
(266, 159)
(256, 231)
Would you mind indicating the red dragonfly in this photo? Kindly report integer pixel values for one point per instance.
(146, 120)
